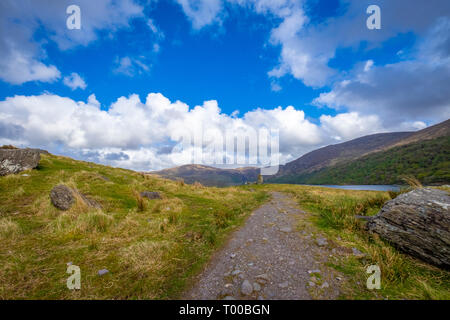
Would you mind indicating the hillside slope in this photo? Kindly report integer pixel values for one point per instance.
(335, 157)
(149, 247)
(428, 160)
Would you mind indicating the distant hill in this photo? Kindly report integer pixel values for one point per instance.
(374, 159)
(210, 176)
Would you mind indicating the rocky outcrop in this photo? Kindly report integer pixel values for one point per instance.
(417, 222)
(17, 160)
(63, 198)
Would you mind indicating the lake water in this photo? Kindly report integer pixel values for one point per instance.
(374, 187)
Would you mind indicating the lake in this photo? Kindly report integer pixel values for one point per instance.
(374, 187)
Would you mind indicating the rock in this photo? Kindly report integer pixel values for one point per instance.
(246, 288)
(62, 197)
(17, 160)
(286, 229)
(256, 287)
(102, 272)
(229, 298)
(324, 285)
(150, 195)
(313, 271)
(263, 277)
(236, 272)
(284, 284)
(417, 222)
(322, 242)
(358, 253)
(311, 284)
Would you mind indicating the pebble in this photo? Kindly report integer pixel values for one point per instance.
(325, 285)
(246, 288)
(229, 298)
(232, 255)
(358, 253)
(286, 229)
(235, 272)
(314, 271)
(311, 284)
(284, 284)
(256, 287)
(321, 242)
(102, 272)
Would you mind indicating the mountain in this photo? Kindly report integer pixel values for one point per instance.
(210, 176)
(375, 159)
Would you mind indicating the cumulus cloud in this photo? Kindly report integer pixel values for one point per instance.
(22, 54)
(74, 81)
(401, 93)
(145, 135)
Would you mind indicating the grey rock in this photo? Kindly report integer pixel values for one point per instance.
(102, 272)
(313, 271)
(150, 195)
(311, 284)
(17, 160)
(417, 222)
(358, 253)
(284, 284)
(256, 287)
(229, 298)
(246, 288)
(324, 285)
(286, 229)
(62, 197)
(322, 242)
(236, 272)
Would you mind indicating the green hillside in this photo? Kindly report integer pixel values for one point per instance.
(150, 247)
(428, 160)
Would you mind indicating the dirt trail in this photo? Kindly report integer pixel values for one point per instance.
(268, 258)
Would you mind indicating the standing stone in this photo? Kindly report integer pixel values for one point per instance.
(417, 222)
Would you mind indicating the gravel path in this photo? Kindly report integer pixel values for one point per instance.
(268, 258)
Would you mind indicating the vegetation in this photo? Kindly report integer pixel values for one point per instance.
(428, 160)
(150, 247)
(402, 277)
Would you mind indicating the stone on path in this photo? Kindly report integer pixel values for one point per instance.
(246, 288)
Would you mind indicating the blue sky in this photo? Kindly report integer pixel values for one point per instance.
(253, 58)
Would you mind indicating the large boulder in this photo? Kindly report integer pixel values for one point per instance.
(17, 160)
(63, 198)
(417, 222)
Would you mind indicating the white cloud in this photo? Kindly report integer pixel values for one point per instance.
(141, 135)
(74, 81)
(23, 58)
(202, 12)
(131, 66)
(401, 93)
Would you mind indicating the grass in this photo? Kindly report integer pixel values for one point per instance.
(152, 248)
(402, 277)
